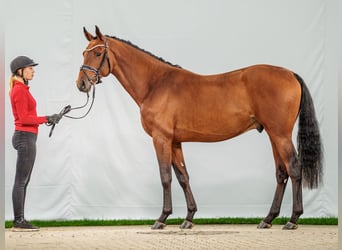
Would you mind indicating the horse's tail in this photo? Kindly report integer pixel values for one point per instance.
(309, 144)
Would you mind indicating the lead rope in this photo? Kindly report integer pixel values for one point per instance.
(68, 108)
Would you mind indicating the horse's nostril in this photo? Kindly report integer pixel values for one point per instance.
(83, 85)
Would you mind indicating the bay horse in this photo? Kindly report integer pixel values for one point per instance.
(177, 106)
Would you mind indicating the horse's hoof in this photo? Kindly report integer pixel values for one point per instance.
(290, 226)
(158, 225)
(186, 225)
(264, 225)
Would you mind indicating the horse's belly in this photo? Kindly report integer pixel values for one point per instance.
(192, 136)
(210, 134)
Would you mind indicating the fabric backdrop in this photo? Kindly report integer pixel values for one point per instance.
(104, 166)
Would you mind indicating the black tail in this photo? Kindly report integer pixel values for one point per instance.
(310, 149)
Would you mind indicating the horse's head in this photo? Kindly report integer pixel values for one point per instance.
(96, 62)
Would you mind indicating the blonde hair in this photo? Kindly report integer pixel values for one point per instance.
(11, 83)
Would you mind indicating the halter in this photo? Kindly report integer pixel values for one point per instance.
(92, 69)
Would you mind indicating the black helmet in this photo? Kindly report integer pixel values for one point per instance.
(21, 62)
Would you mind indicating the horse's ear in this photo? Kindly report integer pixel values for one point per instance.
(87, 34)
(98, 33)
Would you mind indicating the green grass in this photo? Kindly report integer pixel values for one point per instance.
(200, 221)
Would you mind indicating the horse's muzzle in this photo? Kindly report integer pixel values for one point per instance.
(82, 86)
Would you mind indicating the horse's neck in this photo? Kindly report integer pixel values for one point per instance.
(135, 71)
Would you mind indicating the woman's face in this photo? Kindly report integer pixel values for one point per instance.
(28, 73)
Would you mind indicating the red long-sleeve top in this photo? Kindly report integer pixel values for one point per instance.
(24, 109)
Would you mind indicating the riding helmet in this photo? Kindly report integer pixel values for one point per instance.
(21, 62)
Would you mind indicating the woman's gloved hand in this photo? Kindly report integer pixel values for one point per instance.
(54, 119)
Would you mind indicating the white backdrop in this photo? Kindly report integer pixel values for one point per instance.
(104, 166)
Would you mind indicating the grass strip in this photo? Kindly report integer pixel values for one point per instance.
(178, 221)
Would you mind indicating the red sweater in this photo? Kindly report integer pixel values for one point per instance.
(24, 109)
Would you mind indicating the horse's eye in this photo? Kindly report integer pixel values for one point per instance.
(97, 53)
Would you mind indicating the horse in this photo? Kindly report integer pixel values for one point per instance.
(177, 105)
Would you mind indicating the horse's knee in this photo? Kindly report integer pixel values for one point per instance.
(165, 177)
(166, 182)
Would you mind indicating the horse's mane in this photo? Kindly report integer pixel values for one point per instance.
(147, 52)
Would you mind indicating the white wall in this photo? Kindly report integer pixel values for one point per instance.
(104, 166)
(2, 127)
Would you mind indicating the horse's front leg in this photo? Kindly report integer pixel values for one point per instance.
(183, 179)
(163, 150)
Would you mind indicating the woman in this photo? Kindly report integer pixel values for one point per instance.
(25, 136)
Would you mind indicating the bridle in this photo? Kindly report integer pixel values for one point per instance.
(83, 68)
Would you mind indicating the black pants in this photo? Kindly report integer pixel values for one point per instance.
(25, 144)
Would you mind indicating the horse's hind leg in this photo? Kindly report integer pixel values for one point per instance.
(286, 165)
(295, 173)
(288, 156)
(294, 170)
(281, 177)
(183, 179)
